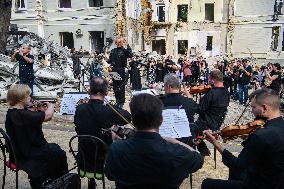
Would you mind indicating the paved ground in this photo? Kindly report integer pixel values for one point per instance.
(61, 129)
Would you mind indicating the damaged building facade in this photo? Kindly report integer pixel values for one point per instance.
(85, 24)
(233, 28)
(195, 27)
(256, 29)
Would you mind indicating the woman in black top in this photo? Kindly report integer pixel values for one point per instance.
(275, 77)
(40, 160)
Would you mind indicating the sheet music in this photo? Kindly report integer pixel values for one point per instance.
(69, 102)
(175, 124)
(115, 76)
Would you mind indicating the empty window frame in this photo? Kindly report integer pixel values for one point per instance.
(209, 12)
(161, 13)
(275, 38)
(64, 3)
(97, 41)
(182, 13)
(95, 3)
(20, 4)
(182, 47)
(209, 43)
(66, 39)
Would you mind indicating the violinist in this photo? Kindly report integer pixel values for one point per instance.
(212, 109)
(260, 165)
(40, 160)
(148, 161)
(93, 117)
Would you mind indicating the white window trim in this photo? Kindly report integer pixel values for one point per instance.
(19, 8)
(61, 8)
(160, 5)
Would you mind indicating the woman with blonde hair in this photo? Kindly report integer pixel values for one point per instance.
(38, 158)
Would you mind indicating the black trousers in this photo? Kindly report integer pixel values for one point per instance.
(119, 86)
(233, 182)
(29, 82)
(49, 162)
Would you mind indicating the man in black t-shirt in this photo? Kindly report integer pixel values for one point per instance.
(173, 98)
(118, 60)
(245, 73)
(93, 118)
(212, 109)
(260, 164)
(26, 61)
(147, 160)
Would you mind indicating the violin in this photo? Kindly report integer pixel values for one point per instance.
(200, 89)
(233, 131)
(37, 106)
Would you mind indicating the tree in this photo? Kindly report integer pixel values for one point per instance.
(5, 16)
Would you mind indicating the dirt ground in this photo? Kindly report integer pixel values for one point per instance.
(61, 129)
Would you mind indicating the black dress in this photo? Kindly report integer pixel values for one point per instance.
(159, 72)
(135, 77)
(39, 159)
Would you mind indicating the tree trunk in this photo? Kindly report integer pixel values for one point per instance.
(5, 16)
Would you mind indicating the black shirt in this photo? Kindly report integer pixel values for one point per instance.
(26, 70)
(276, 84)
(118, 56)
(176, 99)
(262, 158)
(212, 108)
(25, 130)
(148, 161)
(90, 119)
(243, 79)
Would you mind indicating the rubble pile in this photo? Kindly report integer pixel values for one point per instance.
(52, 65)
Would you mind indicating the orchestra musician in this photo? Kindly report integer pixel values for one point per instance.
(212, 108)
(260, 165)
(147, 160)
(92, 118)
(118, 60)
(26, 61)
(173, 97)
(40, 160)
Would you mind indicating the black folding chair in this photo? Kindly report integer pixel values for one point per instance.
(95, 144)
(7, 149)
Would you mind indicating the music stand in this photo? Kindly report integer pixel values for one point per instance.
(115, 76)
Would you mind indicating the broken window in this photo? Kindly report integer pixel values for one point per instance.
(66, 39)
(209, 12)
(95, 3)
(182, 47)
(209, 43)
(20, 4)
(182, 13)
(97, 41)
(161, 13)
(275, 37)
(159, 46)
(64, 3)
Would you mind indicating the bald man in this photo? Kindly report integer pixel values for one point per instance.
(260, 165)
(118, 60)
(26, 61)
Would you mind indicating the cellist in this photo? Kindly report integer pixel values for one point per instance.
(260, 165)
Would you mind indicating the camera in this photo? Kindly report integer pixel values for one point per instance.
(123, 132)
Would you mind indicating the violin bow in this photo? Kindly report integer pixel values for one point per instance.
(246, 106)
